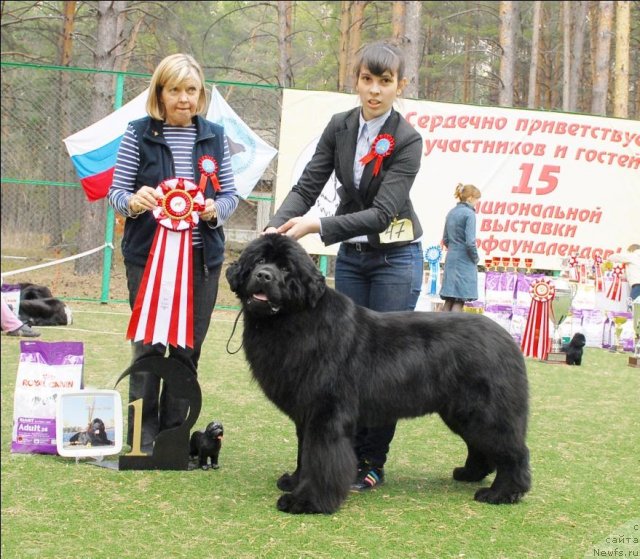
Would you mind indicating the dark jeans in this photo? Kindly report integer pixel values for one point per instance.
(161, 409)
(381, 280)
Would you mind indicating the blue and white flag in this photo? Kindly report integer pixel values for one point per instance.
(250, 154)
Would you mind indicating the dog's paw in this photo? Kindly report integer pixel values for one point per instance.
(493, 497)
(214, 466)
(295, 505)
(205, 467)
(287, 482)
(469, 475)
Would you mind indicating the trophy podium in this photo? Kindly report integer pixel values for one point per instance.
(634, 360)
(560, 306)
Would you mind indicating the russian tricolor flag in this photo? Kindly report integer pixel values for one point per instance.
(94, 150)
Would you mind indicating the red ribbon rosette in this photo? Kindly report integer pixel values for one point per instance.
(208, 167)
(382, 147)
(163, 310)
(597, 271)
(535, 338)
(181, 202)
(614, 293)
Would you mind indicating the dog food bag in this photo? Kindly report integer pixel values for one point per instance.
(45, 369)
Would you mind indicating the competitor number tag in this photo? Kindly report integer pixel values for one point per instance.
(398, 230)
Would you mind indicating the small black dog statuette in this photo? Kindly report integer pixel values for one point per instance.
(207, 445)
(574, 349)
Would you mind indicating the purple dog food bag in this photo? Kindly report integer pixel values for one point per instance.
(45, 369)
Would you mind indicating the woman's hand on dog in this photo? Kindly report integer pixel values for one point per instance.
(298, 227)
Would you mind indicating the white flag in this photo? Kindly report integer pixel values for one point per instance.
(250, 154)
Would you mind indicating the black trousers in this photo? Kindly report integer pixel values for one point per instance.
(160, 408)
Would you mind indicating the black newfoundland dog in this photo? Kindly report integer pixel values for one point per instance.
(574, 349)
(38, 307)
(331, 365)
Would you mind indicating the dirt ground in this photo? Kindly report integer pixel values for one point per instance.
(67, 285)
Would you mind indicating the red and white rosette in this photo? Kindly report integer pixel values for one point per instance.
(381, 147)
(597, 272)
(208, 167)
(615, 288)
(163, 310)
(574, 270)
(535, 338)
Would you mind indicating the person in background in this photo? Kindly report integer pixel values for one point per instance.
(631, 260)
(460, 278)
(13, 326)
(169, 143)
(376, 156)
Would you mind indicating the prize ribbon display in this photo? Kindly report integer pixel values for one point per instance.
(615, 289)
(382, 147)
(535, 338)
(163, 310)
(432, 256)
(208, 167)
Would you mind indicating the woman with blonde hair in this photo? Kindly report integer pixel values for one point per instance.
(174, 140)
(460, 279)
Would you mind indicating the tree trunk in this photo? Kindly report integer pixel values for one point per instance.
(57, 218)
(509, 12)
(397, 21)
(131, 44)
(577, 49)
(345, 23)
(285, 74)
(412, 49)
(603, 56)
(535, 50)
(621, 72)
(109, 36)
(355, 31)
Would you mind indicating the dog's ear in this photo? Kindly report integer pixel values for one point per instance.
(234, 276)
(315, 288)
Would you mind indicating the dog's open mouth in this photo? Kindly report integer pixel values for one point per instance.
(261, 298)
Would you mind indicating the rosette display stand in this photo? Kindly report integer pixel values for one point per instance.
(564, 293)
(170, 450)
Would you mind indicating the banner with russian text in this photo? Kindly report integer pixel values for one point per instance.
(553, 184)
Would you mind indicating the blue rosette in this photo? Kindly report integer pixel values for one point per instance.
(432, 256)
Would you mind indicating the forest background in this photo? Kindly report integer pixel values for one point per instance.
(60, 62)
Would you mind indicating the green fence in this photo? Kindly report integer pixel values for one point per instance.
(42, 201)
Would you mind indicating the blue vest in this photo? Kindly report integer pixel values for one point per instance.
(156, 165)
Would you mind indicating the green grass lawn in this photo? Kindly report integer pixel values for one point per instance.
(585, 457)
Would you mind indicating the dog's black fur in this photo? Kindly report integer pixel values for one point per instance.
(206, 445)
(331, 365)
(38, 307)
(574, 349)
(95, 435)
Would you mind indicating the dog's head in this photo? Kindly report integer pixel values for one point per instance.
(578, 340)
(97, 427)
(214, 430)
(274, 274)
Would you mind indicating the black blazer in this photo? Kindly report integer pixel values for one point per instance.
(370, 209)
